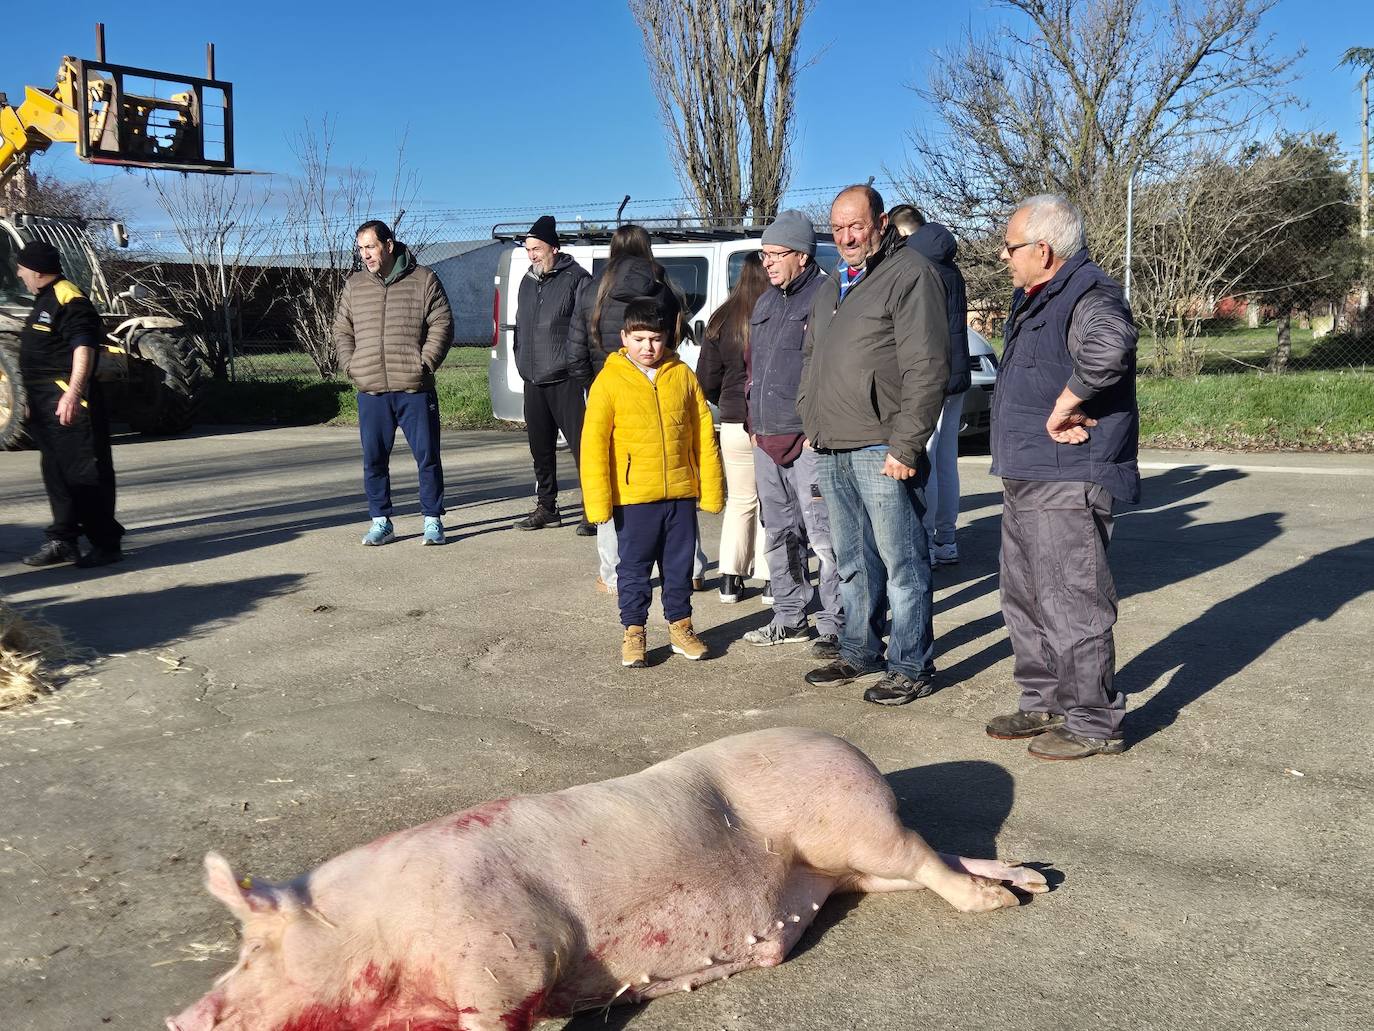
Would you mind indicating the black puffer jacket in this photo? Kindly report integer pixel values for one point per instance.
(634, 279)
(723, 371)
(937, 244)
(542, 320)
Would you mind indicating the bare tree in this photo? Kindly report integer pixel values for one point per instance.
(724, 72)
(218, 221)
(1076, 97)
(328, 203)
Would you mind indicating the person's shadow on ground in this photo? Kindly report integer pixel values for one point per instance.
(1154, 544)
(957, 807)
(1235, 632)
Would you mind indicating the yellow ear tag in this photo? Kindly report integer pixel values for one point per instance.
(246, 883)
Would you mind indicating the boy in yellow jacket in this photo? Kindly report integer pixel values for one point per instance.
(648, 453)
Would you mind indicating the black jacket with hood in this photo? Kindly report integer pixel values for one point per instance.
(634, 278)
(937, 244)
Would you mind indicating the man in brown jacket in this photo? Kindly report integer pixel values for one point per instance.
(392, 329)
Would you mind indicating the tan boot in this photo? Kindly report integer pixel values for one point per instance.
(685, 640)
(632, 648)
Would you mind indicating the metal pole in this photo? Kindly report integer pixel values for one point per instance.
(1130, 226)
(100, 41)
(224, 299)
(1364, 189)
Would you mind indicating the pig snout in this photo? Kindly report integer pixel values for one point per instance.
(200, 1017)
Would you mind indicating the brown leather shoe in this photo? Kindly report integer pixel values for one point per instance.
(1023, 724)
(1064, 744)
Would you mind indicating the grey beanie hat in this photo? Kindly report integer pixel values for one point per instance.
(793, 230)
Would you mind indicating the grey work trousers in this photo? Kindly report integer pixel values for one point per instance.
(1059, 601)
(794, 515)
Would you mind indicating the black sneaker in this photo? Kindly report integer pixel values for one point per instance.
(898, 689)
(99, 556)
(52, 553)
(586, 529)
(730, 587)
(1023, 724)
(826, 646)
(771, 634)
(539, 518)
(837, 674)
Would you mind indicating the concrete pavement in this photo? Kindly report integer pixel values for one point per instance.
(268, 688)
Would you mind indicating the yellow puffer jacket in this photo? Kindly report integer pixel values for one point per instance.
(645, 441)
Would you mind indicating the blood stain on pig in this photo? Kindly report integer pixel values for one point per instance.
(523, 1016)
(483, 815)
(656, 938)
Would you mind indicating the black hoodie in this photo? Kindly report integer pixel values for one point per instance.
(634, 278)
(937, 244)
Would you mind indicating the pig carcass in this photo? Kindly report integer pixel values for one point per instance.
(706, 864)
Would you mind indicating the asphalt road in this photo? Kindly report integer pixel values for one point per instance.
(264, 686)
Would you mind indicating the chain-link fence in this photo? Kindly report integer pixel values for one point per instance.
(1210, 295)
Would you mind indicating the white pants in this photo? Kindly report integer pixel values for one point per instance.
(942, 490)
(742, 550)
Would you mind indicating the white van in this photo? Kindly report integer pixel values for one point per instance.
(703, 264)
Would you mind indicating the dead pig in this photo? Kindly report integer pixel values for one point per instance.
(706, 864)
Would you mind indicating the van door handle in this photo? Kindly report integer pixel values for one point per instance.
(698, 331)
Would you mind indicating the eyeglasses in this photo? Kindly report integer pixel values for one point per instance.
(768, 257)
(1011, 248)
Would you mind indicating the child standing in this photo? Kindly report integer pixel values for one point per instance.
(648, 454)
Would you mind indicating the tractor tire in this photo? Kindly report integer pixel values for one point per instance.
(14, 408)
(167, 381)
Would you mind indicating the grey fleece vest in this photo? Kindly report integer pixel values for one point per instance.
(1036, 365)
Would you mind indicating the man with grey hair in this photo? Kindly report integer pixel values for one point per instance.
(1065, 432)
(786, 467)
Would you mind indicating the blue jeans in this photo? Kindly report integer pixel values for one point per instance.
(418, 417)
(883, 556)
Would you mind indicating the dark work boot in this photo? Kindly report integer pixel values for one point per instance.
(540, 518)
(52, 553)
(99, 556)
(838, 673)
(1023, 724)
(1061, 743)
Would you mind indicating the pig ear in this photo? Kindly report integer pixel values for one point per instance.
(223, 885)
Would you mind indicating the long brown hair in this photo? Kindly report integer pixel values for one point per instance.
(628, 241)
(732, 317)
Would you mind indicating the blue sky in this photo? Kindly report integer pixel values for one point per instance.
(515, 106)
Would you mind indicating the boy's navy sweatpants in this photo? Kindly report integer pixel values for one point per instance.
(655, 531)
(418, 417)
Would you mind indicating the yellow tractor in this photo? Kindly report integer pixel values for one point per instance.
(122, 116)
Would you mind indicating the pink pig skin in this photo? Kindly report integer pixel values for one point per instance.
(701, 866)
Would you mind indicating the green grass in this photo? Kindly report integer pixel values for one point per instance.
(1307, 411)
(284, 389)
(1319, 411)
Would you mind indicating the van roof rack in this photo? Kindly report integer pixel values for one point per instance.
(666, 230)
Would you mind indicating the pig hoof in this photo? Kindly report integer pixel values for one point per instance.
(1026, 879)
(988, 895)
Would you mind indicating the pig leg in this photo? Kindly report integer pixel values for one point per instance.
(1022, 877)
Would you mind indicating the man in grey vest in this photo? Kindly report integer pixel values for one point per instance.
(1065, 433)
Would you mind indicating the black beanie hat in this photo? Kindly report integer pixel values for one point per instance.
(41, 257)
(545, 229)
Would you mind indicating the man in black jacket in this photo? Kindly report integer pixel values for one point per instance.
(554, 398)
(58, 350)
